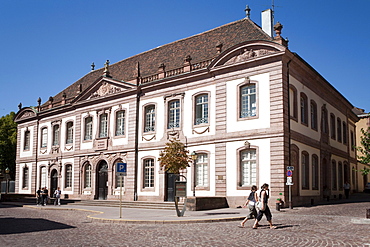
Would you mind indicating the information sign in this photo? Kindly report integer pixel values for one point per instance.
(121, 169)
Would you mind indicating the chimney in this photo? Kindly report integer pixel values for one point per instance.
(267, 22)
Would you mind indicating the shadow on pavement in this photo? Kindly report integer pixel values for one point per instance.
(23, 225)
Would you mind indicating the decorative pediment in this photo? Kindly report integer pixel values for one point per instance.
(246, 54)
(24, 114)
(105, 89)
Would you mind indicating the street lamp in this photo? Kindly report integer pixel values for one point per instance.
(194, 157)
(7, 180)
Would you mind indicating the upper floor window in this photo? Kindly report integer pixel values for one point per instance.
(173, 114)
(56, 131)
(304, 109)
(332, 126)
(148, 173)
(201, 170)
(88, 128)
(313, 108)
(201, 109)
(27, 140)
(69, 133)
(120, 123)
(44, 137)
(68, 176)
(344, 133)
(248, 101)
(324, 120)
(103, 125)
(315, 172)
(352, 141)
(305, 171)
(293, 102)
(149, 118)
(339, 130)
(248, 167)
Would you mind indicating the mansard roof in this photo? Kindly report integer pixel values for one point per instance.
(200, 47)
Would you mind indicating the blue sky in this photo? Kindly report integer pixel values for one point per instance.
(46, 45)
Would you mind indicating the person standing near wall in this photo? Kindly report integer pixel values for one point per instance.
(57, 194)
(265, 210)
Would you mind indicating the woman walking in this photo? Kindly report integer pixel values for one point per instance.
(264, 210)
(251, 203)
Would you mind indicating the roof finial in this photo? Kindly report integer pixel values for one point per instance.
(93, 66)
(106, 69)
(247, 11)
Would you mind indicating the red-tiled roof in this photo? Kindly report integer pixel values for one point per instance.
(200, 47)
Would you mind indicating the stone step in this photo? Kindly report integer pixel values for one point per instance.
(126, 204)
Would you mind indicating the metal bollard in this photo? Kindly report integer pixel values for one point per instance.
(368, 213)
(278, 206)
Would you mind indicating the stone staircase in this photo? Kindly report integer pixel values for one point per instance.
(125, 204)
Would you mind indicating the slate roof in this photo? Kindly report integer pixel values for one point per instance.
(200, 47)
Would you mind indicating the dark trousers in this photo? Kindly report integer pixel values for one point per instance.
(346, 192)
(266, 212)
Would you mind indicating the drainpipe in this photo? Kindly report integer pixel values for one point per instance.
(289, 134)
(138, 94)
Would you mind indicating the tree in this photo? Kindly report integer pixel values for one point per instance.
(8, 143)
(364, 150)
(174, 157)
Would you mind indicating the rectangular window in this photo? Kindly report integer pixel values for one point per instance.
(201, 171)
(120, 123)
(69, 134)
(305, 171)
(68, 181)
(43, 177)
(27, 140)
(44, 137)
(248, 167)
(103, 125)
(149, 173)
(304, 110)
(149, 118)
(55, 135)
(88, 128)
(315, 172)
(173, 114)
(201, 109)
(352, 141)
(248, 102)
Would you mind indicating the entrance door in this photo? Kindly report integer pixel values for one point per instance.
(103, 181)
(170, 187)
(53, 181)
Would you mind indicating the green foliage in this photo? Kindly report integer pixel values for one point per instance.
(364, 150)
(8, 142)
(174, 157)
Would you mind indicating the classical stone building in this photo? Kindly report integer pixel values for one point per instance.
(239, 98)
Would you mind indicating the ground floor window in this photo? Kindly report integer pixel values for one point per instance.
(248, 167)
(201, 170)
(148, 173)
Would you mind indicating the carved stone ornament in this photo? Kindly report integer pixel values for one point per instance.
(104, 90)
(246, 54)
(27, 114)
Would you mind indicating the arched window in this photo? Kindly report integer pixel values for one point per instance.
(202, 170)
(313, 108)
(44, 137)
(248, 101)
(332, 126)
(149, 118)
(43, 176)
(148, 173)
(340, 176)
(27, 140)
(345, 133)
(68, 176)
(173, 114)
(339, 130)
(69, 133)
(88, 128)
(334, 175)
(248, 167)
(103, 125)
(305, 171)
(201, 109)
(304, 109)
(25, 178)
(120, 123)
(315, 172)
(87, 173)
(56, 130)
(293, 102)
